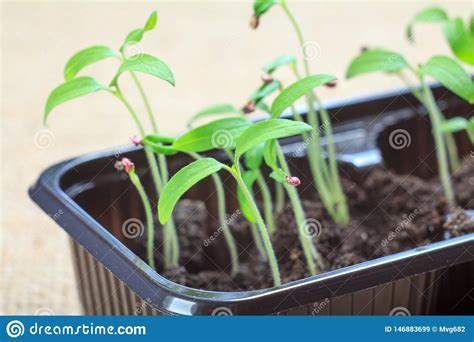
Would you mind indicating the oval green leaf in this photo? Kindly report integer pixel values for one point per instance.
(263, 131)
(264, 91)
(218, 109)
(295, 91)
(451, 75)
(376, 60)
(136, 35)
(454, 125)
(70, 90)
(148, 65)
(262, 6)
(280, 61)
(220, 134)
(86, 57)
(460, 40)
(182, 181)
(427, 15)
(157, 138)
(269, 154)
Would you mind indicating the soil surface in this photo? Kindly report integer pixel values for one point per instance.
(389, 213)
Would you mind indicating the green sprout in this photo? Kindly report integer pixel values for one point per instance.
(443, 69)
(76, 86)
(127, 165)
(203, 139)
(460, 124)
(325, 172)
(458, 34)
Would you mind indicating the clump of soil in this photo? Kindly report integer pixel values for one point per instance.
(389, 213)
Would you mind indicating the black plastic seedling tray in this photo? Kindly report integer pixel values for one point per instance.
(90, 201)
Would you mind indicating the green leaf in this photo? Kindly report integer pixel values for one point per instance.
(264, 91)
(136, 35)
(156, 143)
(451, 75)
(182, 181)
(218, 109)
(263, 106)
(454, 125)
(69, 90)
(376, 60)
(151, 22)
(262, 6)
(254, 157)
(148, 65)
(460, 40)
(219, 134)
(157, 138)
(249, 178)
(279, 175)
(280, 61)
(427, 15)
(267, 130)
(269, 154)
(86, 57)
(295, 91)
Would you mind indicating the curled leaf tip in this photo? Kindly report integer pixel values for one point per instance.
(254, 21)
(267, 78)
(249, 107)
(330, 84)
(293, 181)
(136, 140)
(124, 165)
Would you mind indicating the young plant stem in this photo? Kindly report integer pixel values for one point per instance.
(221, 210)
(267, 198)
(450, 142)
(267, 203)
(336, 204)
(169, 260)
(258, 240)
(316, 160)
(148, 214)
(279, 197)
(173, 249)
(441, 152)
(235, 171)
(309, 249)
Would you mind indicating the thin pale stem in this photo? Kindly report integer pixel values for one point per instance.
(337, 203)
(309, 249)
(266, 196)
(170, 225)
(221, 210)
(279, 197)
(258, 240)
(148, 214)
(316, 160)
(267, 203)
(441, 152)
(169, 259)
(450, 142)
(261, 225)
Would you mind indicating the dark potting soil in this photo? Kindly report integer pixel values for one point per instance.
(389, 213)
